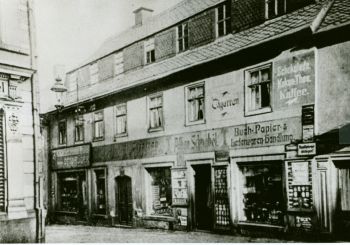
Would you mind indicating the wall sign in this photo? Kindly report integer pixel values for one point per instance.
(300, 171)
(295, 80)
(307, 149)
(72, 157)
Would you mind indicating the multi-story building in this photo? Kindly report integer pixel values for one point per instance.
(211, 115)
(20, 140)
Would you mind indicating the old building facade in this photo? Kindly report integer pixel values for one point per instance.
(20, 176)
(213, 115)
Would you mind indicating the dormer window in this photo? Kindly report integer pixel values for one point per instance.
(274, 8)
(149, 51)
(182, 37)
(223, 19)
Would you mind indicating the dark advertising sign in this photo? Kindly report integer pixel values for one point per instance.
(294, 80)
(72, 157)
(268, 133)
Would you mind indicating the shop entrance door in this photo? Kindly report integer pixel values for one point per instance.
(203, 198)
(124, 200)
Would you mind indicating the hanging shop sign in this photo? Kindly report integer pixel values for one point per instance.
(295, 80)
(72, 157)
(307, 149)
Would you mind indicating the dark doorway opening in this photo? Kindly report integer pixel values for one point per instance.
(203, 197)
(124, 200)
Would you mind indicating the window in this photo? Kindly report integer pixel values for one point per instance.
(261, 193)
(195, 104)
(182, 37)
(274, 8)
(258, 89)
(100, 195)
(149, 51)
(344, 188)
(121, 120)
(4, 85)
(223, 19)
(79, 129)
(94, 73)
(118, 63)
(62, 132)
(156, 112)
(98, 126)
(159, 185)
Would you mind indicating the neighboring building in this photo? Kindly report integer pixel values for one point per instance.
(20, 140)
(206, 117)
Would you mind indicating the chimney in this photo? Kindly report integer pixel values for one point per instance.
(141, 15)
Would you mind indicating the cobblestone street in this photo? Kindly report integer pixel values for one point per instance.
(91, 234)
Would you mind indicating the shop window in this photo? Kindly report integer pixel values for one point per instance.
(98, 126)
(100, 194)
(149, 51)
(160, 188)
(118, 63)
(258, 90)
(195, 104)
(223, 19)
(274, 8)
(79, 129)
(72, 192)
(182, 37)
(262, 193)
(121, 119)
(344, 188)
(62, 132)
(155, 112)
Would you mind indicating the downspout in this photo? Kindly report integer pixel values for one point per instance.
(36, 123)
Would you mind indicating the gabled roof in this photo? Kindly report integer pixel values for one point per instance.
(337, 15)
(181, 11)
(227, 45)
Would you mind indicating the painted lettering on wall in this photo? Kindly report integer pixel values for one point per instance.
(72, 157)
(294, 79)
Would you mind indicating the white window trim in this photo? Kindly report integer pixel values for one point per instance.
(94, 138)
(161, 128)
(58, 127)
(276, 8)
(149, 45)
(75, 124)
(119, 135)
(187, 88)
(177, 37)
(217, 20)
(247, 96)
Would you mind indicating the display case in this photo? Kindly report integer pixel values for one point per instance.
(221, 201)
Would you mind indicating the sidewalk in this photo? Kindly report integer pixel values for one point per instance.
(93, 234)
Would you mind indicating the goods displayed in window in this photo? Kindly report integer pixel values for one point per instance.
(262, 196)
(100, 192)
(161, 191)
(222, 209)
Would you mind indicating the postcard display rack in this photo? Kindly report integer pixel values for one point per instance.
(300, 198)
(180, 196)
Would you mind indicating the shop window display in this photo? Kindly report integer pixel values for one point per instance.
(100, 192)
(160, 181)
(262, 196)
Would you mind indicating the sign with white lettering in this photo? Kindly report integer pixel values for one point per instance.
(72, 157)
(307, 149)
(294, 80)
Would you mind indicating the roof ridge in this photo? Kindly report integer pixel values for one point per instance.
(315, 25)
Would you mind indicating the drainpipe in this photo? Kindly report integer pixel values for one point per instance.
(36, 125)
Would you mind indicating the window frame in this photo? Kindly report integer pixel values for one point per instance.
(184, 37)
(226, 20)
(187, 104)
(149, 112)
(60, 140)
(95, 209)
(81, 124)
(93, 69)
(118, 64)
(94, 137)
(275, 8)
(121, 134)
(248, 111)
(149, 49)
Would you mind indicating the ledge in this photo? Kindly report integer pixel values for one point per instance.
(159, 218)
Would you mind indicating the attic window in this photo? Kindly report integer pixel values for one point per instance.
(182, 37)
(149, 51)
(274, 8)
(223, 19)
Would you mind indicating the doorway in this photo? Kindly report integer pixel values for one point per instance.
(203, 210)
(123, 200)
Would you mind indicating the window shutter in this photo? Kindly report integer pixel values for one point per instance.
(2, 166)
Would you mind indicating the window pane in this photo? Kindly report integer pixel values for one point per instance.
(265, 95)
(265, 75)
(121, 110)
(220, 12)
(254, 77)
(100, 192)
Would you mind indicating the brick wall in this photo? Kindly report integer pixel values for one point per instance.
(165, 44)
(247, 13)
(202, 28)
(105, 68)
(133, 56)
